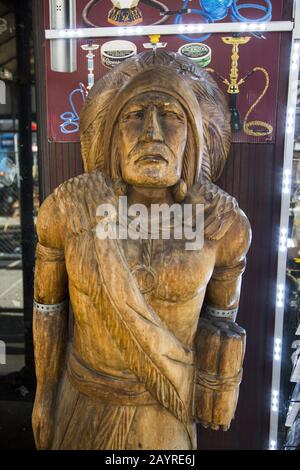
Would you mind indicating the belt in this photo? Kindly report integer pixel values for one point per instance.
(115, 390)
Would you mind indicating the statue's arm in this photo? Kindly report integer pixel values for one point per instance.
(223, 290)
(49, 318)
(220, 342)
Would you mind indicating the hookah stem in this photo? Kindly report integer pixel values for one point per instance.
(233, 101)
(234, 82)
(234, 72)
(233, 89)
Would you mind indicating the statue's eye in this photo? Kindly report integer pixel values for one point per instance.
(138, 114)
(165, 113)
(171, 114)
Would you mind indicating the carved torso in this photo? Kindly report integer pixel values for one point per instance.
(181, 276)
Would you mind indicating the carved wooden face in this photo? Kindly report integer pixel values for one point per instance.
(153, 134)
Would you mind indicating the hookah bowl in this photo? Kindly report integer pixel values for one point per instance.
(124, 13)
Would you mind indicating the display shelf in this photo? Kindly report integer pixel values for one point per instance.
(272, 26)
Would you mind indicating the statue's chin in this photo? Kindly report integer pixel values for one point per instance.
(151, 183)
(151, 179)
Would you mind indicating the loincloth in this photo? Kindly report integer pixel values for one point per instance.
(97, 411)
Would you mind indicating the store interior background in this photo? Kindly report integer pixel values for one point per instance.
(252, 174)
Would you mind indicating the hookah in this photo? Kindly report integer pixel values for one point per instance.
(233, 90)
(154, 43)
(70, 119)
(90, 47)
(234, 83)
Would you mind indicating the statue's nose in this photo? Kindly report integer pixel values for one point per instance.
(152, 131)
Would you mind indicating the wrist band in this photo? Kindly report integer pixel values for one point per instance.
(218, 313)
(217, 383)
(49, 254)
(50, 308)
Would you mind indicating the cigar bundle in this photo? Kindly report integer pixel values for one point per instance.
(220, 349)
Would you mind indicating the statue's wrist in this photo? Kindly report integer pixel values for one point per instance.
(46, 393)
(215, 313)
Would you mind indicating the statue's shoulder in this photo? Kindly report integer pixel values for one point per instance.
(77, 199)
(221, 210)
(82, 191)
(94, 182)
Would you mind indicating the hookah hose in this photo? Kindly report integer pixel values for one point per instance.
(71, 118)
(161, 6)
(248, 125)
(219, 12)
(153, 3)
(207, 17)
(212, 12)
(237, 17)
(86, 11)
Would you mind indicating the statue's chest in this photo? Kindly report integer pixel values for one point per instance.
(163, 268)
(167, 269)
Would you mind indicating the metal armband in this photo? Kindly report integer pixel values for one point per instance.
(212, 312)
(50, 308)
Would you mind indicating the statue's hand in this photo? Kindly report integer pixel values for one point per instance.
(214, 426)
(43, 419)
(220, 348)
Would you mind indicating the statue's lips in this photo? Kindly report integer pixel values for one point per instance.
(153, 158)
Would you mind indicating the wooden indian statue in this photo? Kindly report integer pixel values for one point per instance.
(152, 347)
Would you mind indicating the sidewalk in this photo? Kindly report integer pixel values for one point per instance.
(16, 400)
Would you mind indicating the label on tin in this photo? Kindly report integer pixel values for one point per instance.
(197, 52)
(114, 52)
